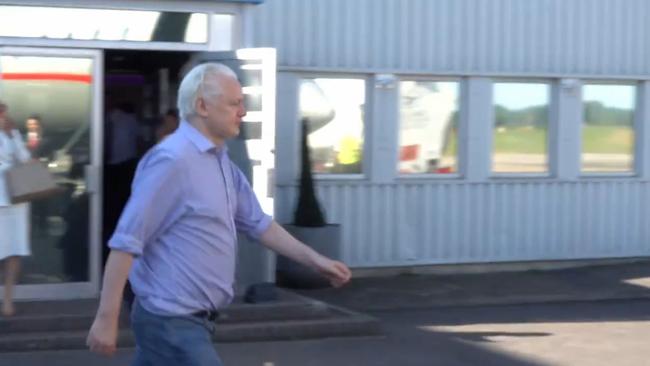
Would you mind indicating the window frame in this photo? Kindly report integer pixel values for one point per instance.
(550, 134)
(634, 172)
(367, 118)
(212, 44)
(460, 143)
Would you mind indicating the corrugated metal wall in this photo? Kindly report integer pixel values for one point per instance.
(423, 223)
(598, 37)
(401, 221)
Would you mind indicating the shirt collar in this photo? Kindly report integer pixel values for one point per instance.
(202, 143)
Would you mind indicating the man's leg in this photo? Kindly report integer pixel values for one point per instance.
(139, 360)
(178, 340)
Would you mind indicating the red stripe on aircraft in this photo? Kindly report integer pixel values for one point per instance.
(80, 78)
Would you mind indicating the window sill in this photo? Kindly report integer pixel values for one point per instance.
(425, 176)
(525, 176)
(608, 175)
(326, 177)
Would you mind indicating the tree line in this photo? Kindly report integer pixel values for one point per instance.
(595, 113)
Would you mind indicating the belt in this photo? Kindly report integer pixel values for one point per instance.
(211, 315)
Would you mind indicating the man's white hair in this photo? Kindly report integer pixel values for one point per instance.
(202, 81)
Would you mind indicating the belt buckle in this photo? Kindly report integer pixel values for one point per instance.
(210, 315)
(213, 315)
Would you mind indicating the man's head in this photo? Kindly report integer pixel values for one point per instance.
(5, 123)
(210, 97)
(3, 111)
(33, 123)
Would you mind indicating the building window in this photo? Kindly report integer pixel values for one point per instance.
(520, 128)
(428, 127)
(108, 24)
(333, 108)
(608, 128)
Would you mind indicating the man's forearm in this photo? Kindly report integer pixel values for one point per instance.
(117, 271)
(280, 241)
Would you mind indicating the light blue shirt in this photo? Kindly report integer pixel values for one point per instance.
(187, 203)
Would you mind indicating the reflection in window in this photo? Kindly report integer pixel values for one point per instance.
(334, 109)
(428, 121)
(50, 100)
(251, 80)
(197, 28)
(103, 24)
(607, 130)
(520, 128)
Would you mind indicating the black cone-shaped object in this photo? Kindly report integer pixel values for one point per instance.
(308, 212)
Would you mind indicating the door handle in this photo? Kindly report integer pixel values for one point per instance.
(270, 183)
(91, 173)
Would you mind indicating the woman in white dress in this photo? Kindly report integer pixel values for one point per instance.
(14, 219)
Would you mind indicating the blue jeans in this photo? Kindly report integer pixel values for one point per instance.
(172, 340)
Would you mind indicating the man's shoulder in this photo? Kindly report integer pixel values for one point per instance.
(171, 151)
(175, 145)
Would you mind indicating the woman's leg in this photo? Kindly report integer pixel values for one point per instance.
(12, 267)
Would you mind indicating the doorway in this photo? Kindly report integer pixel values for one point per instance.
(139, 92)
(148, 81)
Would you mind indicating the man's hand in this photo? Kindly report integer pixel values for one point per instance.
(336, 272)
(280, 241)
(102, 338)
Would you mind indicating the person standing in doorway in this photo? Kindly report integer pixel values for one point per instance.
(176, 239)
(34, 135)
(14, 219)
(122, 137)
(168, 125)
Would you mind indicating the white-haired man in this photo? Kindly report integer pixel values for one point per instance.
(177, 234)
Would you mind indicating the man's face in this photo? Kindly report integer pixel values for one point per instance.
(3, 117)
(223, 114)
(32, 124)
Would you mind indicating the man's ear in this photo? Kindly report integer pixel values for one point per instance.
(201, 107)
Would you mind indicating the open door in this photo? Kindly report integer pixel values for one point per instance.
(54, 98)
(253, 150)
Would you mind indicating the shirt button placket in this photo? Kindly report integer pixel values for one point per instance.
(228, 188)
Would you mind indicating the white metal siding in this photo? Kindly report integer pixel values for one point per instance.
(452, 222)
(549, 37)
(389, 221)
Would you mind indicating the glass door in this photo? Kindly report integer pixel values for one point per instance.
(53, 96)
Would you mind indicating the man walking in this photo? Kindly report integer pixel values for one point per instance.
(176, 239)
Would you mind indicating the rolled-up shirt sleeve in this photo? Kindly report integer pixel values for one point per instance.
(155, 202)
(249, 218)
